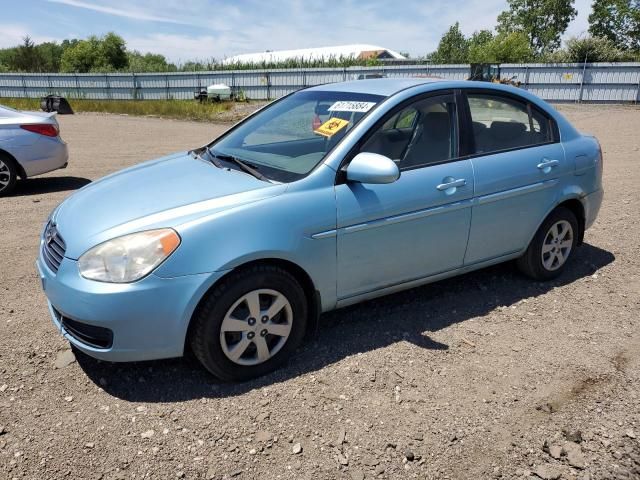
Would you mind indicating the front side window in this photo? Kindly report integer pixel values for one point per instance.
(421, 134)
(286, 140)
(500, 123)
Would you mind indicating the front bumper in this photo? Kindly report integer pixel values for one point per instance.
(148, 319)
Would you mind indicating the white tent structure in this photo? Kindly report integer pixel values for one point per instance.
(358, 51)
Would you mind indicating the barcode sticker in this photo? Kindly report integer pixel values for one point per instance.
(350, 106)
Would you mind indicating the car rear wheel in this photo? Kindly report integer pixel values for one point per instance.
(8, 175)
(551, 247)
(250, 323)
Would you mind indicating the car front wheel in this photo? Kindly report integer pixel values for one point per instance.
(551, 247)
(250, 323)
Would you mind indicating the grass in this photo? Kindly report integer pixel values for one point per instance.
(180, 109)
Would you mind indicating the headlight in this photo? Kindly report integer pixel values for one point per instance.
(128, 258)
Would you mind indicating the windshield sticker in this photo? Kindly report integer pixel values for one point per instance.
(331, 127)
(349, 106)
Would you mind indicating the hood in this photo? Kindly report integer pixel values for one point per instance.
(162, 193)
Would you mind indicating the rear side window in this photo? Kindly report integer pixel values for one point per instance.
(500, 123)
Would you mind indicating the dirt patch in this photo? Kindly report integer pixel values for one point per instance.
(436, 382)
(580, 389)
(620, 361)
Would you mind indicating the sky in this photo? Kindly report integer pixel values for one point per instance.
(203, 29)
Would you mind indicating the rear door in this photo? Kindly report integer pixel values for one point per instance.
(517, 161)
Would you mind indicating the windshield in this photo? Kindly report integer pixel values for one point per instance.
(286, 140)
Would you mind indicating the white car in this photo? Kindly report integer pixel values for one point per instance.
(30, 145)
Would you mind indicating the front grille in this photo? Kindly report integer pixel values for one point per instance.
(91, 335)
(53, 247)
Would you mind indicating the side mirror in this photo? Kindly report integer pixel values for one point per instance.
(369, 167)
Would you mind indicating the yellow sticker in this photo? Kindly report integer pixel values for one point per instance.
(331, 127)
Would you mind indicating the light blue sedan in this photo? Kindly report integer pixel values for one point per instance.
(327, 197)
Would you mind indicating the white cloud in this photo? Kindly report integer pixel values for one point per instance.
(13, 35)
(177, 48)
(133, 14)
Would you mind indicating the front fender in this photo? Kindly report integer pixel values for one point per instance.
(274, 228)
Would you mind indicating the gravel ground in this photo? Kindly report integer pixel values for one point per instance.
(488, 375)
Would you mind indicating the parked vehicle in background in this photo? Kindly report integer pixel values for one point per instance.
(56, 103)
(370, 76)
(30, 145)
(488, 72)
(214, 93)
(330, 196)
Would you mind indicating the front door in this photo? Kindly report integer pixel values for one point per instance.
(417, 226)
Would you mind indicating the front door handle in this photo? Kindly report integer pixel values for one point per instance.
(449, 184)
(546, 165)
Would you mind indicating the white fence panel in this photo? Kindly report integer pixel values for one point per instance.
(572, 82)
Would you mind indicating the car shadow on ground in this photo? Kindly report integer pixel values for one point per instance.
(42, 185)
(405, 316)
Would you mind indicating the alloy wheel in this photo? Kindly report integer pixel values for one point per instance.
(256, 327)
(557, 245)
(5, 175)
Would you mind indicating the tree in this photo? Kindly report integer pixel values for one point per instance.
(149, 62)
(510, 47)
(478, 46)
(542, 21)
(592, 49)
(26, 57)
(81, 57)
(95, 55)
(50, 54)
(113, 52)
(453, 47)
(6, 59)
(618, 21)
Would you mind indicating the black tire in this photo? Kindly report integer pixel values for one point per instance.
(8, 175)
(207, 321)
(531, 263)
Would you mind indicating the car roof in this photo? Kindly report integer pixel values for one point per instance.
(375, 86)
(390, 86)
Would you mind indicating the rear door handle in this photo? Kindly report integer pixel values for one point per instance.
(450, 182)
(548, 164)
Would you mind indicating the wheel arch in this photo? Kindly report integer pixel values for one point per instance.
(576, 207)
(21, 172)
(573, 203)
(311, 293)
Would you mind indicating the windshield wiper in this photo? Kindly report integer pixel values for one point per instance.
(251, 170)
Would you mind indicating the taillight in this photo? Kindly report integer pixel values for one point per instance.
(46, 129)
